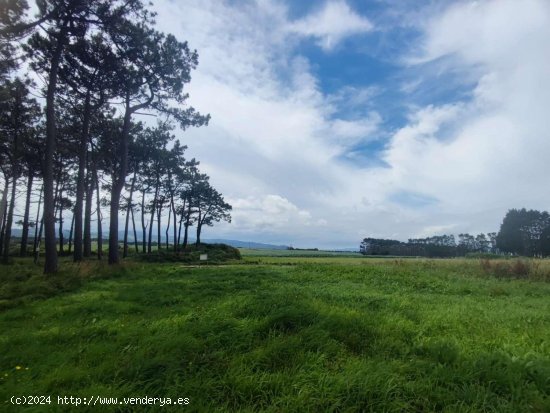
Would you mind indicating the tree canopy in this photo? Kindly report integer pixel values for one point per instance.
(101, 65)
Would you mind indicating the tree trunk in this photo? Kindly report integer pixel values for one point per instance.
(3, 231)
(153, 208)
(71, 234)
(35, 244)
(143, 226)
(185, 235)
(25, 234)
(99, 228)
(60, 227)
(150, 240)
(9, 222)
(4, 204)
(39, 240)
(135, 232)
(159, 217)
(128, 208)
(113, 225)
(199, 227)
(80, 181)
(187, 224)
(87, 243)
(179, 230)
(3, 209)
(56, 195)
(118, 184)
(50, 264)
(168, 227)
(175, 225)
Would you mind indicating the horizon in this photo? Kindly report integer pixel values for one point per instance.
(340, 120)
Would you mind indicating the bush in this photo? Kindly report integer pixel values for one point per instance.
(520, 269)
(483, 255)
(217, 253)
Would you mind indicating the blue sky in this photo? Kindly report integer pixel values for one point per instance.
(337, 120)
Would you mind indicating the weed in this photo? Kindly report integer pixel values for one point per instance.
(518, 268)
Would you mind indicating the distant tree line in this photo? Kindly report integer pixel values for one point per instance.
(522, 232)
(525, 232)
(437, 246)
(291, 248)
(71, 147)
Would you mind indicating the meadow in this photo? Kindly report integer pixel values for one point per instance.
(278, 334)
(252, 252)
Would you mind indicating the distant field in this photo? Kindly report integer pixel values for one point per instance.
(279, 334)
(296, 253)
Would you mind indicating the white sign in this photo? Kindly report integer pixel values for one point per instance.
(204, 257)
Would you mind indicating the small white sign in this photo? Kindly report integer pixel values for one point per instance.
(204, 257)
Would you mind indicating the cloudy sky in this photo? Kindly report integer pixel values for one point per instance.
(341, 119)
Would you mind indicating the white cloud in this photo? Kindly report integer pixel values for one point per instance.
(268, 213)
(353, 97)
(352, 131)
(275, 139)
(486, 153)
(331, 24)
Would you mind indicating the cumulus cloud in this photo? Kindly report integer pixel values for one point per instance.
(331, 24)
(268, 213)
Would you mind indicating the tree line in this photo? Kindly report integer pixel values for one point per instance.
(436, 246)
(76, 138)
(522, 232)
(525, 232)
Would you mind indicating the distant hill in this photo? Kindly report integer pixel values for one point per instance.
(246, 244)
(16, 232)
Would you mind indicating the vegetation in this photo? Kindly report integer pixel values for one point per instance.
(525, 233)
(320, 334)
(292, 330)
(436, 246)
(102, 64)
(522, 232)
(215, 254)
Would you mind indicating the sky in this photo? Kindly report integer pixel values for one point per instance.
(337, 120)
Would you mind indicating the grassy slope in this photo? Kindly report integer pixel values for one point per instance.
(288, 334)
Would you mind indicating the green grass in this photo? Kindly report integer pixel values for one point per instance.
(283, 334)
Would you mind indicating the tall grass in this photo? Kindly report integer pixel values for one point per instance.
(314, 336)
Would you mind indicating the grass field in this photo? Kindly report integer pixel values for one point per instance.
(278, 334)
(251, 252)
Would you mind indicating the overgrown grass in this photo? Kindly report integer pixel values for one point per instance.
(537, 270)
(285, 334)
(23, 282)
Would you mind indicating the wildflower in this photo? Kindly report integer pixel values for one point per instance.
(17, 367)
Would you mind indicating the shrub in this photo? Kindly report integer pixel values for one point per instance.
(521, 269)
(486, 265)
(217, 253)
(483, 255)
